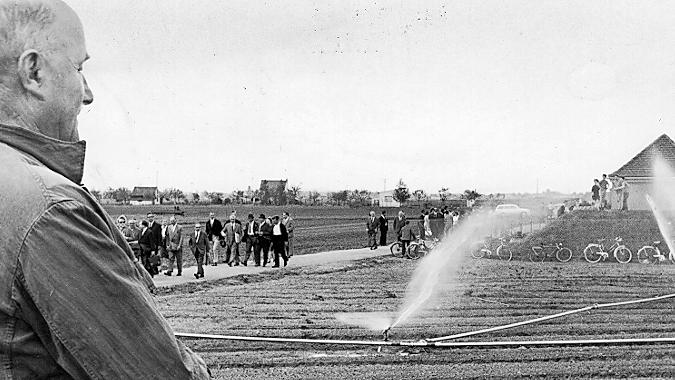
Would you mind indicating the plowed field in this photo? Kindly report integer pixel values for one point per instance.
(302, 302)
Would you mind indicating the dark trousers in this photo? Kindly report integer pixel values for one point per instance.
(404, 246)
(251, 244)
(383, 236)
(145, 259)
(176, 256)
(264, 246)
(199, 256)
(279, 247)
(232, 253)
(372, 239)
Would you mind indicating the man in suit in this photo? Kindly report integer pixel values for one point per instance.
(174, 242)
(131, 234)
(156, 230)
(399, 222)
(372, 226)
(264, 235)
(279, 238)
(289, 223)
(148, 247)
(213, 230)
(384, 227)
(232, 234)
(251, 240)
(199, 245)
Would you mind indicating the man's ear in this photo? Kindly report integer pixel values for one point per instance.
(30, 70)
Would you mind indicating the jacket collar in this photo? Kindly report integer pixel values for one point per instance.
(63, 157)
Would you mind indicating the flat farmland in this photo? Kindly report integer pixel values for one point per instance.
(303, 302)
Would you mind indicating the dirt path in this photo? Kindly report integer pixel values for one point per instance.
(221, 271)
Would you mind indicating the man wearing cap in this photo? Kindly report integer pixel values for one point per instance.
(199, 245)
(251, 240)
(264, 235)
(74, 304)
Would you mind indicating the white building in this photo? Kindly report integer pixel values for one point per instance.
(385, 199)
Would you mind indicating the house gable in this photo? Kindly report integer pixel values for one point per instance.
(640, 166)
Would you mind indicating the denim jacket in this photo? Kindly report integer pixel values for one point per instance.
(73, 304)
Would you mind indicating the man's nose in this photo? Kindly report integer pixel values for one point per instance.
(88, 95)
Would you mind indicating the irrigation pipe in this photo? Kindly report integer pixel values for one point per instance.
(424, 343)
(546, 318)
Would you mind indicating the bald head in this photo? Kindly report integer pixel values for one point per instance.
(42, 49)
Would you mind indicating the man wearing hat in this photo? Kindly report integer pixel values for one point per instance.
(264, 235)
(199, 245)
(251, 240)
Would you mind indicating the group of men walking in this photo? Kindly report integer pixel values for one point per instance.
(219, 243)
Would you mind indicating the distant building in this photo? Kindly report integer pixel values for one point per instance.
(385, 199)
(144, 196)
(639, 172)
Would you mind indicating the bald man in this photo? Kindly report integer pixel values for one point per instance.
(74, 302)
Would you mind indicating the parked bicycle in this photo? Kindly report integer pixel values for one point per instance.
(596, 252)
(542, 251)
(421, 247)
(652, 254)
(502, 252)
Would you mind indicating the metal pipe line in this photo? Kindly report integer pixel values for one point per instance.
(424, 343)
(546, 318)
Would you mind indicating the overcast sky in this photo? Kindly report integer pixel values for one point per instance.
(493, 95)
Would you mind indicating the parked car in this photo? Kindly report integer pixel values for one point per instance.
(511, 210)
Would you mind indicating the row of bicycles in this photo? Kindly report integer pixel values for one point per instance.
(500, 248)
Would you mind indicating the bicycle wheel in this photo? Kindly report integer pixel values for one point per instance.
(647, 255)
(504, 253)
(537, 254)
(396, 250)
(622, 254)
(414, 251)
(592, 253)
(563, 255)
(479, 252)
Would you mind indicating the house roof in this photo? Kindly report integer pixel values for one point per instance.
(144, 192)
(273, 183)
(641, 165)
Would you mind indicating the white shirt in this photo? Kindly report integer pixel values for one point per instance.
(250, 228)
(277, 229)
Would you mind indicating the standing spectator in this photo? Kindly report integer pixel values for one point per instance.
(232, 234)
(399, 222)
(455, 219)
(447, 221)
(251, 240)
(436, 223)
(384, 227)
(604, 188)
(289, 223)
(121, 222)
(199, 245)
(372, 226)
(264, 240)
(156, 230)
(595, 193)
(174, 239)
(132, 234)
(213, 230)
(622, 193)
(162, 248)
(148, 247)
(425, 230)
(407, 235)
(279, 237)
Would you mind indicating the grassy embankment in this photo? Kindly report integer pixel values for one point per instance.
(579, 228)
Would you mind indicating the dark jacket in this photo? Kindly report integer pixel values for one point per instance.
(384, 223)
(279, 238)
(214, 229)
(74, 303)
(398, 224)
(255, 229)
(157, 236)
(265, 231)
(372, 226)
(147, 240)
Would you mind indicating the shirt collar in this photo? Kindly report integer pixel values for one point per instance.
(63, 157)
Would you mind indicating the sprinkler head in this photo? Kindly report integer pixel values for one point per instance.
(385, 334)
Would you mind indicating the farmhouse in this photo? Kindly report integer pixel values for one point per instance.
(638, 171)
(144, 196)
(385, 199)
(273, 191)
